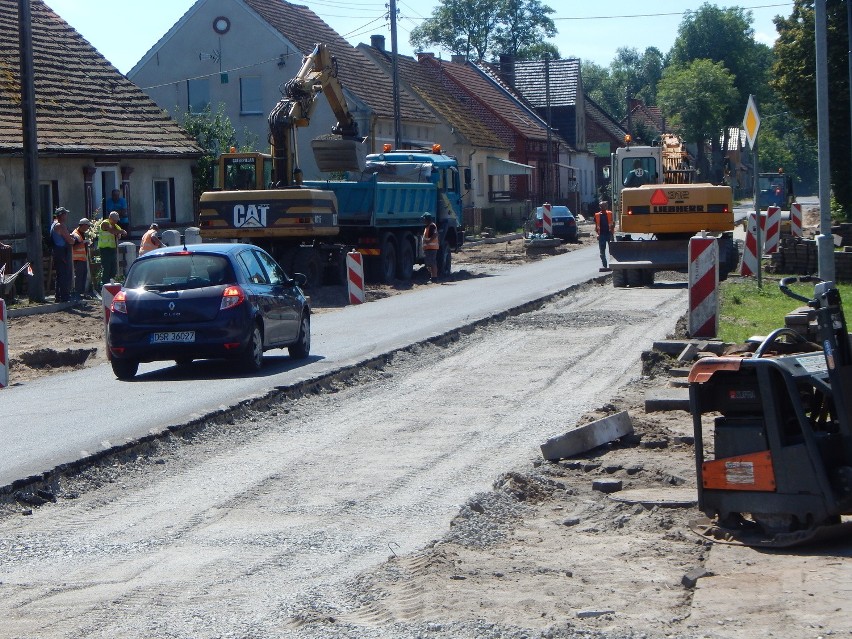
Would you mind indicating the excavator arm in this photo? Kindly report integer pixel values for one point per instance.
(318, 74)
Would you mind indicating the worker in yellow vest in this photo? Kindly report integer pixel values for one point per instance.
(108, 233)
(150, 241)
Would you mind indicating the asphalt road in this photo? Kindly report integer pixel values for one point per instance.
(63, 418)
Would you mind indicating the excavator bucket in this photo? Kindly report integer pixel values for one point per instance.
(656, 254)
(339, 154)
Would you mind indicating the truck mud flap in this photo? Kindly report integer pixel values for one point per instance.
(649, 254)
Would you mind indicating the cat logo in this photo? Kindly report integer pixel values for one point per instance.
(250, 216)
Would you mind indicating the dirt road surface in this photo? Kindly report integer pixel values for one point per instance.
(412, 501)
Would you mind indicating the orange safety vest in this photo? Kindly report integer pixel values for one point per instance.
(78, 249)
(148, 242)
(430, 243)
(598, 222)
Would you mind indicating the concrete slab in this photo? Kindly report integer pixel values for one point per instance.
(664, 399)
(588, 436)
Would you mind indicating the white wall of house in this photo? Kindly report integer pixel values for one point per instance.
(243, 69)
(62, 183)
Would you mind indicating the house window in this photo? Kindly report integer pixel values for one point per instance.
(164, 200)
(198, 92)
(480, 179)
(251, 101)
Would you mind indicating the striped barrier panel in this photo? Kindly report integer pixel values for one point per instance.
(796, 219)
(751, 260)
(107, 293)
(772, 227)
(703, 320)
(547, 218)
(355, 277)
(4, 348)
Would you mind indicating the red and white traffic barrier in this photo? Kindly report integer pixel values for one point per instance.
(796, 219)
(107, 293)
(772, 229)
(355, 277)
(703, 319)
(4, 348)
(751, 253)
(547, 218)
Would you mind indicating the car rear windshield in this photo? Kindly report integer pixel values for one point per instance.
(177, 272)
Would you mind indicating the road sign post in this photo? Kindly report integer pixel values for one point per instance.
(751, 124)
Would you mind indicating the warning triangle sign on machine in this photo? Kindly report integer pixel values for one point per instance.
(659, 198)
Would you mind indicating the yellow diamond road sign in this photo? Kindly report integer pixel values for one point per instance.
(751, 121)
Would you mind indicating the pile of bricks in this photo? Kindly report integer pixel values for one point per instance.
(797, 256)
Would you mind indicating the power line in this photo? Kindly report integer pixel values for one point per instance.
(666, 14)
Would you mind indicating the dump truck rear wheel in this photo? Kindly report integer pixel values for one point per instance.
(405, 261)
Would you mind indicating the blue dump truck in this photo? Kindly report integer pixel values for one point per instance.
(310, 226)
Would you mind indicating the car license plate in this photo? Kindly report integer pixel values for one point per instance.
(555, 223)
(173, 336)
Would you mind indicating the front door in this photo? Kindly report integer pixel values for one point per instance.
(103, 182)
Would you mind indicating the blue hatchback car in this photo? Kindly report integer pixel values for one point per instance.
(206, 301)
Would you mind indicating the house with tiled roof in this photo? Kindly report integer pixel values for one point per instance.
(238, 54)
(96, 131)
(645, 123)
(460, 130)
(554, 88)
(603, 136)
(531, 175)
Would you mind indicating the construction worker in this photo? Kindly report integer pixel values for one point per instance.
(431, 244)
(61, 243)
(108, 233)
(604, 227)
(80, 256)
(150, 240)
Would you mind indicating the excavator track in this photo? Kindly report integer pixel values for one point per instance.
(754, 536)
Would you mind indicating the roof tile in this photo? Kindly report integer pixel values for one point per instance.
(83, 103)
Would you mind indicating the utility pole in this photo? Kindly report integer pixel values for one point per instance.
(548, 175)
(35, 286)
(397, 121)
(825, 240)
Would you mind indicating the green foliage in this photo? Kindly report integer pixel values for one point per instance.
(696, 98)
(630, 73)
(477, 28)
(746, 310)
(794, 78)
(724, 35)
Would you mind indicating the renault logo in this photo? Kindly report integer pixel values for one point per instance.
(171, 306)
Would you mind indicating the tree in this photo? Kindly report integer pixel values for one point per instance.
(794, 78)
(523, 26)
(477, 28)
(637, 74)
(724, 35)
(696, 99)
(459, 26)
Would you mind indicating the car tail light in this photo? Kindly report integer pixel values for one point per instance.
(119, 303)
(233, 296)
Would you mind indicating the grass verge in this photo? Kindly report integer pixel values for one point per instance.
(746, 310)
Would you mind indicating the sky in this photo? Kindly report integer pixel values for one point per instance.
(124, 30)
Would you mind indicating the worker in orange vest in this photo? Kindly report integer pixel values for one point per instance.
(604, 227)
(150, 241)
(80, 255)
(431, 244)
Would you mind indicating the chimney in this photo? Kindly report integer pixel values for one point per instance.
(458, 58)
(424, 55)
(507, 68)
(377, 42)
